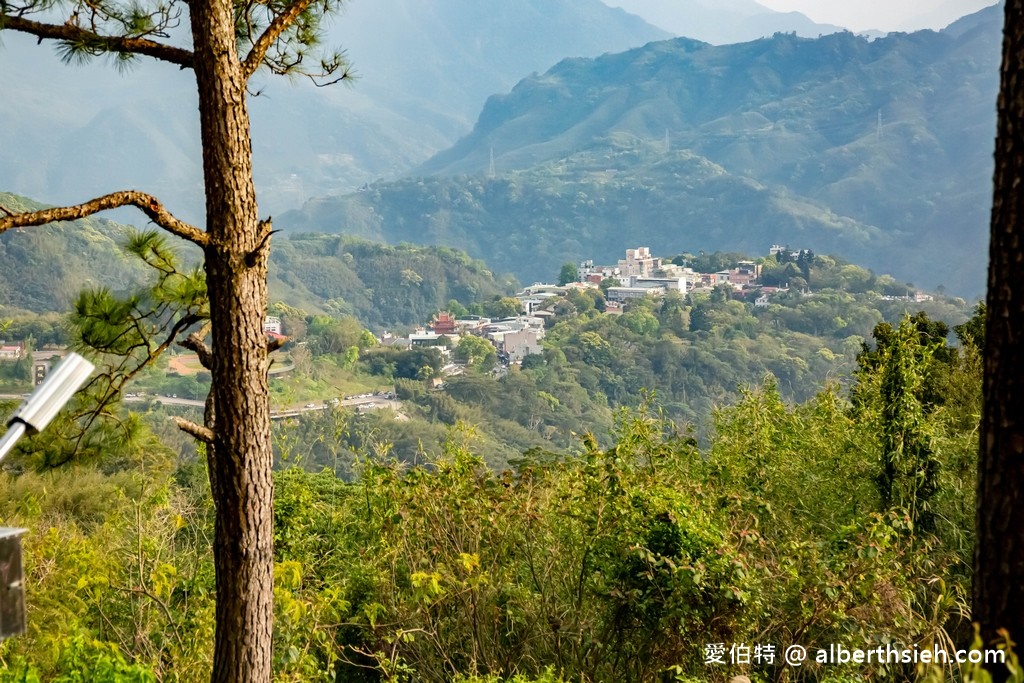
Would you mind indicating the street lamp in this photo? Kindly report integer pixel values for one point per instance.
(46, 401)
(31, 417)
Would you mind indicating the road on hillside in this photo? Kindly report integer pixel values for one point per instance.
(362, 403)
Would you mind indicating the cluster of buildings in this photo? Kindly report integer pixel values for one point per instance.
(513, 338)
(638, 275)
(641, 274)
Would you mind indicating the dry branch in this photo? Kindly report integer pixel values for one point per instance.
(195, 342)
(148, 204)
(200, 432)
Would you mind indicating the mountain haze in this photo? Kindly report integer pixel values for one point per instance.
(722, 21)
(424, 67)
(891, 138)
(594, 203)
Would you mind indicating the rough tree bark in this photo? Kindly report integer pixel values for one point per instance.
(998, 593)
(236, 247)
(240, 457)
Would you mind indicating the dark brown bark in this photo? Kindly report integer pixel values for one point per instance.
(240, 457)
(998, 595)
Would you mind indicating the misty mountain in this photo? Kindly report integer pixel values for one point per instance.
(424, 70)
(894, 133)
(594, 203)
(448, 56)
(941, 15)
(722, 21)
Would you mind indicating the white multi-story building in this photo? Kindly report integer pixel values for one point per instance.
(272, 324)
(624, 294)
(665, 283)
(639, 263)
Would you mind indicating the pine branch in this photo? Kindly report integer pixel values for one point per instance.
(277, 27)
(120, 44)
(200, 432)
(148, 204)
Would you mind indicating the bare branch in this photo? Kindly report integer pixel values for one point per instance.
(253, 257)
(194, 342)
(121, 44)
(345, 76)
(277, 27)
(200, 432)
(148, 204)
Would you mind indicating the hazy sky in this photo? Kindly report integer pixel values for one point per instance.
(885, 15)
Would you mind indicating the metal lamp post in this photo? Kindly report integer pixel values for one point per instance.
(32, 416)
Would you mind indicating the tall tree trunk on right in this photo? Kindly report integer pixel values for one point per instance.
(998, 595)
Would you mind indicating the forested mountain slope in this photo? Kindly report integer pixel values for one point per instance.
(384, 286)
(889, 141)
(591, 204)
(45, 267)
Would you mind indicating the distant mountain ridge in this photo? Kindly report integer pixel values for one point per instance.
(721, 22)
(892, 135)
(425, 68)
(592, 204)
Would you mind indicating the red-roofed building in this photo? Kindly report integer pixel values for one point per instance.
(444, 323)
(12, 351)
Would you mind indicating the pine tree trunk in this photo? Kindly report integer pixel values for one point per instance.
(240, 458)
(998, 596)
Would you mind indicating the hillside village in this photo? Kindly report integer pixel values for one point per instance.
(514, 327)
(638, 276)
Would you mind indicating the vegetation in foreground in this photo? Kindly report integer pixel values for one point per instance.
(837, 520)
(834, 517)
